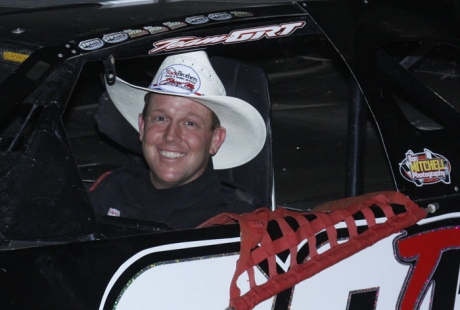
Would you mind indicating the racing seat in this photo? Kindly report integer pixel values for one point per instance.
(241, 80)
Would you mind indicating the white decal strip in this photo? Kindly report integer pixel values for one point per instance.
(447, 216)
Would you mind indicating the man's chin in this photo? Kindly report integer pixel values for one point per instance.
(170, 177)
(169, 181)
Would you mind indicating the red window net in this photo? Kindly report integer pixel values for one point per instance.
(258, 246)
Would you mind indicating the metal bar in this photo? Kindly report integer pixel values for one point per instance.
(356, 134)
(21, 130)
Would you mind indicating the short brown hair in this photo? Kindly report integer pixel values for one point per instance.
(215, 123)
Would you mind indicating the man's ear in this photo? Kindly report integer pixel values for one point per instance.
(218, 137)
(141, 124)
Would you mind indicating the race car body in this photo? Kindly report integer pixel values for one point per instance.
(358, 175)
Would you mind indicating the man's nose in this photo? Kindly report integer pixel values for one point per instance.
(172, 133)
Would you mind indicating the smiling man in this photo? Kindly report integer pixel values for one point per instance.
(188, 127)
(178, 135)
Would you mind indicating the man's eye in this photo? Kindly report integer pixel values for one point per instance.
(159, 118)
(188, 123)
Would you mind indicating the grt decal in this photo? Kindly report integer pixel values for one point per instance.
(236, 36)
(425, 168)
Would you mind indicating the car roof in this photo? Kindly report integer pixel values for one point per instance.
(77, 20)
(50, 3)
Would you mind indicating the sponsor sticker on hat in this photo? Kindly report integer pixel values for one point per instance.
(241, 14)
(425, 168)
(175, 25)
(197, 20)
(179, 79)
(91, 44)
(134, 33)
(220, 16)
(115, 37)
(156, 29)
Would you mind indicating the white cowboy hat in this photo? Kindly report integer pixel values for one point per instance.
(191, 75)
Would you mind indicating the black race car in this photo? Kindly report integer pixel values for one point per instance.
(358, 173)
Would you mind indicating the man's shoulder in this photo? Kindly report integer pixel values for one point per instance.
(114, 190)
(233, 200)
(119, 177)
(238, 195)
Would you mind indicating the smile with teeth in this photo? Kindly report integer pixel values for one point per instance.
(170, 154)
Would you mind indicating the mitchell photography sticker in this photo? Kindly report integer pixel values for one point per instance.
(425, 168)
(91, 44)
(179, 79)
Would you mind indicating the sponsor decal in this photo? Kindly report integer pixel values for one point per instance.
(241, 14)
(134, 33)
(115, 37)
(425, 168)
(403, 271)
(179, 79)
(114, 212)
(220, 16)
(197, 20)
(16, 57)
(156, 29)
(175, 25)
(236, 36)
(91, 44)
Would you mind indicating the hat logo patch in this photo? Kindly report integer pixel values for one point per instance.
(178, 79)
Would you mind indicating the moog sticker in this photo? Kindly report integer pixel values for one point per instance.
(236, 36)
(116, 37)
(425, 168)
(197, 20)
(91, 44)
(220, 16)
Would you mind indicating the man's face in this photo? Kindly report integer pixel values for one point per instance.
(177, 139)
